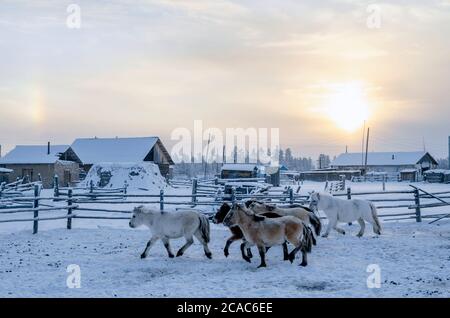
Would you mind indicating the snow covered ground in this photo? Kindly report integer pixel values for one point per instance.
(414, 260)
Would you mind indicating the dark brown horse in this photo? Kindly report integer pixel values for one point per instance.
(238, 235)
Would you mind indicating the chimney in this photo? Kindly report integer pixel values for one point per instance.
(48, 148)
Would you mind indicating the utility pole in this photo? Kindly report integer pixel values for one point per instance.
(207, 153)
(362, 144)
(367, 150)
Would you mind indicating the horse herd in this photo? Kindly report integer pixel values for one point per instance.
(257, 224)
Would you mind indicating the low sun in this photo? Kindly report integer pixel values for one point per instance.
(347, 106)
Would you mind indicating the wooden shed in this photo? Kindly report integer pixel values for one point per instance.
(30, 162)
(410, 175)
(239, 171)
(90, 151)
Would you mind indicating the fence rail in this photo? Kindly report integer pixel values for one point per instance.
(95, 200)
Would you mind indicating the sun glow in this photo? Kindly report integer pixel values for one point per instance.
(347, 105)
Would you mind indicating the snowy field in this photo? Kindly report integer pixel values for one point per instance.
(414, 260)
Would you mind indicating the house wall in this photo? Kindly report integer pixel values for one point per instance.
(45, 170)
(235, 174)
(387, 169)
(63, 169)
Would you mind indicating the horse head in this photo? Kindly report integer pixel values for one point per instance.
(221, 213)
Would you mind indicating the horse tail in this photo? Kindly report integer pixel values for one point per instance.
(307, 241)
(204, 228)
(375, 219)
(315, 222)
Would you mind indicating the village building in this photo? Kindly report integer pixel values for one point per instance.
(90, 151)
(4, 174)
(409, 165)
(239, 171)
(39, 163)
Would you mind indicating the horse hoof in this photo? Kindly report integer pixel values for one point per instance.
(171, 256)
(209, 255)
(142, 256)
(179, 254)
(304, 264)
(248, 260)
(226, 254)
(262, 266)
(324, 236)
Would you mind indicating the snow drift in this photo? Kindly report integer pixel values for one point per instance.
(143, 175)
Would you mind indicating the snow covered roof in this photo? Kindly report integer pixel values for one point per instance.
(239, 167)
(97, 150)
(33, 154)
(379, 159)
(438, 171)
(4, 170)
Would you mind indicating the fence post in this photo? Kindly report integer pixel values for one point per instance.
(384, 182)
(216, 180)
(194, 191)
(56, 186)
(91, 187)
(418, 210)
(349, 193)
(125, 187)
(291, 195)
(69, 209)
(161, 200)
(36, 206)
(233, 196)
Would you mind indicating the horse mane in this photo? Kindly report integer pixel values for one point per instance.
(270, 208)
(258, 218)
(223, 211)
(271, 215)
(250, 202)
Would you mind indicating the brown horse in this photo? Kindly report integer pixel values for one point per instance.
(303, 213)
(264, 232)
(238, 235)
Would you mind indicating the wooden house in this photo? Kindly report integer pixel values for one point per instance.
(390, 162)
(239, 171)
(90, 151)
(40, 162)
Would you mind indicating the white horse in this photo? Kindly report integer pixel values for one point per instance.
(346, 211)
(173, 225)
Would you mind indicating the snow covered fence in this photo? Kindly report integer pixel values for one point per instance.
(11, 208)
(74, 204)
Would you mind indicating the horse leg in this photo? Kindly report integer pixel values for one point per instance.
(150, 243)
(230, 241)
(285, 251)
(339, 230)
(262, 254)
(205, 245)
(244, 245)
(363, 227)
(304, 262)
(189, 242)
(166, 243)
(298, 245)
(331, 223)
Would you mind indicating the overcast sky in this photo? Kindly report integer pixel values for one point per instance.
(146, 67)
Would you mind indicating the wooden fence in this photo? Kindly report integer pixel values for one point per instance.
(82, 203)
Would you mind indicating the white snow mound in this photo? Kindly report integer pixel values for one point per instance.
(143, 175)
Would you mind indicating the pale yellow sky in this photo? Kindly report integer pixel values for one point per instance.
(146, 67)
